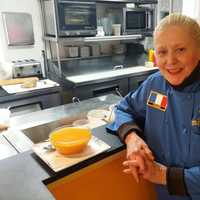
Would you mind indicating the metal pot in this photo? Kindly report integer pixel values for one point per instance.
(84, 51)
(73, 51)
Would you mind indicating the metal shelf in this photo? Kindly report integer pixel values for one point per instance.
(129, 1)
(81, 58)
(94, 39)
(63, 39)
(146, 2)
(112, 38)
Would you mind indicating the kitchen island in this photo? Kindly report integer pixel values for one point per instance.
(25, 177)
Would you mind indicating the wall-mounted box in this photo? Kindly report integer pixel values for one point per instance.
(18, 28)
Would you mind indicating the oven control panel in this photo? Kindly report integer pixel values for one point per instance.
(27, 68)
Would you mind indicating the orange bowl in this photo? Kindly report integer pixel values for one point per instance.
(70, 140)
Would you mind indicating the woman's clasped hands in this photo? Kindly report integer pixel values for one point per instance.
(140, 161)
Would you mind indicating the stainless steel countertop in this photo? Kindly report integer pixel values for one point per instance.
(78, 79)
(43, 121)
(68, 110)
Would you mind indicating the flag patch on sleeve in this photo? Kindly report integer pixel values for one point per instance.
(157, 100)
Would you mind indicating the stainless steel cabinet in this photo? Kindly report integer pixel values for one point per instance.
(31, 101)
(119, 86)
(136, 81)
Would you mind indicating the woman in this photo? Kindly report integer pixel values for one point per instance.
(160, 121)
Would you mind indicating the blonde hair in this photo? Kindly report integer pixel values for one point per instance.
(180, 20)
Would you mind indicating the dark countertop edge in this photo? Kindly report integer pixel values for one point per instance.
(81, 165)
(111, 78)
(113, 141)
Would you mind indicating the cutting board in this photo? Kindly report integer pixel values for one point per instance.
(17, 81)
(57, 161)
(16, 88)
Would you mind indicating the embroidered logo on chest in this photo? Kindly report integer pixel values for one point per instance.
(157, 100)
(196, 122)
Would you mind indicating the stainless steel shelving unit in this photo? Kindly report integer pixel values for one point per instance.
(56, 39)
(51, 39)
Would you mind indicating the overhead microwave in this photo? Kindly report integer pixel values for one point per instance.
(70, 18)
(138, 20)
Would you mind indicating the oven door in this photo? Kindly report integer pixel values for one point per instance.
(76, 18)
(135, 20)
(138, 20)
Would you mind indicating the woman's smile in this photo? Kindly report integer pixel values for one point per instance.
(174, 71)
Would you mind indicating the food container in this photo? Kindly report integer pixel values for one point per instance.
(70, 140)
(73, 51)
(151, 55)
(112, 109)
(116, 29)
(81, 123)
(95, 50)
(5, 116)
(98, 114)
(84, 51)
(149, 64)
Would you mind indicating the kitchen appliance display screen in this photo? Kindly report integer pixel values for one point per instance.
(76, 17)
(135, 20)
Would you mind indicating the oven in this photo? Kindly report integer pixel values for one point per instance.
(72, 18)
(139, 20)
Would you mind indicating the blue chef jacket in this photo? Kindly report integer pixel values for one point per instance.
(172, 133)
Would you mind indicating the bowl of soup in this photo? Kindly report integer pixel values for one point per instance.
(70, 140)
